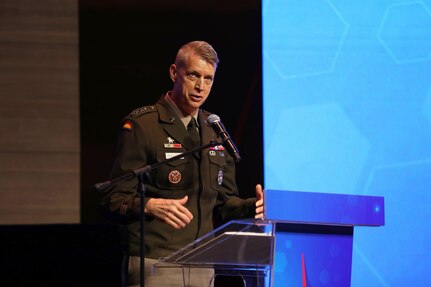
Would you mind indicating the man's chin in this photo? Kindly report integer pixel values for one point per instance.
(196, 104)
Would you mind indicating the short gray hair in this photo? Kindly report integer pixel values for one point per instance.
(200, 48)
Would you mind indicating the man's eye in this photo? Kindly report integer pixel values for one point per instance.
(191, 76)
(208, 81)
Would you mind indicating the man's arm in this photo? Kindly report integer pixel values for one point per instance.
(122, 203)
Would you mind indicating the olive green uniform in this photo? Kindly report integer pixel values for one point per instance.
(150, 135)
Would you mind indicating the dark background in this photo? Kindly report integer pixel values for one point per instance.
(126, 49)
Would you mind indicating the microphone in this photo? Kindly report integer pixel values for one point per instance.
(219, 128)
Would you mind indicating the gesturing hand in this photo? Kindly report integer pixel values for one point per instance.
(170, 211)
(259, 201)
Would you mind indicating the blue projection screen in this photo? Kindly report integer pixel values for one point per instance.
(347, 109)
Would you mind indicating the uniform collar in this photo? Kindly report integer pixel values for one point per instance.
(171, 123)
(185, 119)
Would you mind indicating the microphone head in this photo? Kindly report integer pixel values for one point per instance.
(213, 118)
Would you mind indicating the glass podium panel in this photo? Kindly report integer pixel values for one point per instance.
(236, 245)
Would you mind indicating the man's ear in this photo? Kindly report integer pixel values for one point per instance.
(173, 72)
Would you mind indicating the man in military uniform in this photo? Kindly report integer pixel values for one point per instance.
(186, 196)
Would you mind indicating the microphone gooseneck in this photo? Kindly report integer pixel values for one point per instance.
(219, 128)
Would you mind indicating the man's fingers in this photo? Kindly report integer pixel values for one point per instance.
(259, 201)
(176, 220)
(259, 209)
(177, 215)
(259, 192)
(183, 209)
(181, 201)
(171, 211)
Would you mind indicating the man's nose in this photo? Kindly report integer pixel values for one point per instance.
(198, 84)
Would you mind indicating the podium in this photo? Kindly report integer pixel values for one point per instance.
(305, 239)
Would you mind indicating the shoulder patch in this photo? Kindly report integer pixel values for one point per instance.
(141, 111)
(127, 125)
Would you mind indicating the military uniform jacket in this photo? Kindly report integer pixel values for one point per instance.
(150, 135)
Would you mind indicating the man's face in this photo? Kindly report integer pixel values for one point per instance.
(192, 83)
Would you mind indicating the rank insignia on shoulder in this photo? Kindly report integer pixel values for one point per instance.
(127, 125)
(141, 111)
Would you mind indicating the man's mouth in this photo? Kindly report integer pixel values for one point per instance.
(196, 98)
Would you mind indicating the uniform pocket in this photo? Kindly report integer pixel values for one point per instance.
(177, 174)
